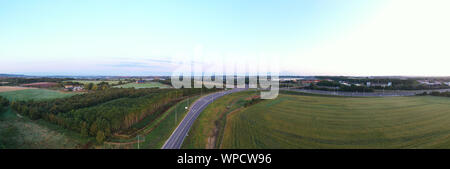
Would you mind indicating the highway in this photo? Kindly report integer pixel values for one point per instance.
(176, 139)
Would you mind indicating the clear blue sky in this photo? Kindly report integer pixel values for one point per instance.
(108, 37)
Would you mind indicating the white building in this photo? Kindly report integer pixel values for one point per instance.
(344, 83)
(429, 83)
(369, 84)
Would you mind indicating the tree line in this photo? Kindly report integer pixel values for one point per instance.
(3, 102)
(397, 83)
(102, 113)
(351, 88)
(435, 93)
(19, 81)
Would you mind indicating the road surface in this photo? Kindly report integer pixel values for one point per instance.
(176, 139)
(386, 93)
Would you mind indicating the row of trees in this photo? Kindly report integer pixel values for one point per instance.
(442, 94)
(101, 85)
(97, 87)
(3, 102)
(18, 81)
(34, 109)
(352, 88)
(397, 83)
(105, 119)
(101, 114)
(328, 83)
(252, 101)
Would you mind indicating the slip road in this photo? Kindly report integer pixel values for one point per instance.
(176, 139)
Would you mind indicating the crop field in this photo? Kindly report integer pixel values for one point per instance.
(34, 94)
(143, 85)
(12, 88)
(301, 121)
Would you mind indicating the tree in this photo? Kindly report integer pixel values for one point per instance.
(84, 130)
(89, 86)
(3, 102)
(94, 88)
(100, 136)
(93, 129)
(104, 87)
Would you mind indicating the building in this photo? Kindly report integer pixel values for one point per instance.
(68, 86)
(290, 79)
(73, 88)
(429, 83)
(77, 88)
(140, 81)
(344, 83)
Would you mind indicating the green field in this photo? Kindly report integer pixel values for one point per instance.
(307, 121)
(34, 94)
(17, 132)
(143, 85)
(207, 130)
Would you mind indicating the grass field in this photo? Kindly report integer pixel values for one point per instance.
(18, 132)
(143, 85)
(293, 121)
(307, 121)
(207, 130)
(34, 94)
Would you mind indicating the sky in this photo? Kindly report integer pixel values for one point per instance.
(321, 37)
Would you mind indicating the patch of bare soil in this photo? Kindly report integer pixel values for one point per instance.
(212, 139)
(13, 88)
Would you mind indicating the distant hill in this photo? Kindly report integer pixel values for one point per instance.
(13, 75)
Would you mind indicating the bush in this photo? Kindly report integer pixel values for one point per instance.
(3, 102)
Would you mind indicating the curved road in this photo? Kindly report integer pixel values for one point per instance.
(386, 93)
(176, 139)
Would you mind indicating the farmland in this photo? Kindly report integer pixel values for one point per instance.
(12, 88)
(143, 85)
(309, 121)
(34, 94)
